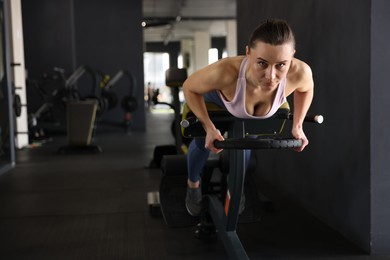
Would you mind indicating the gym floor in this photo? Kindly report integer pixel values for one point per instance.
(94, 206)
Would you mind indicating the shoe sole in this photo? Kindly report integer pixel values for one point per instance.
(192, 214)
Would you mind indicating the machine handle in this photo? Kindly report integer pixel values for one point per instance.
(251, 143)
(189, 121)
(319, 119)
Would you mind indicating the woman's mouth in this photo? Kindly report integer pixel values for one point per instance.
(270, 84)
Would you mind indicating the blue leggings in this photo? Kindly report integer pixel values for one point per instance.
(197, 154)
(197, 157)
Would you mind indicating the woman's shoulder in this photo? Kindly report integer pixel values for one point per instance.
(230, 62)
(299, 70)
(226, 69)
(299, 77)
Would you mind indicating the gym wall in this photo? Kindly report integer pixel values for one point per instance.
(342, 177)
(104, 35)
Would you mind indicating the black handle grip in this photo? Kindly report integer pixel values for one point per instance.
(308, 118)
(314, 119)
(250, 143)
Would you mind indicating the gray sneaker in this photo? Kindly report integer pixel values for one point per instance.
(194, 201)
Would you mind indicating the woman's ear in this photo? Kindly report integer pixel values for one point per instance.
(247, 50)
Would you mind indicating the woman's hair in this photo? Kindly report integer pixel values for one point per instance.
(272, 31)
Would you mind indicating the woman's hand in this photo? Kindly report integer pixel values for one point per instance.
(211, 136)
(298, 134)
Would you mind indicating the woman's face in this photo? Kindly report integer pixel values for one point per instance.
(269, 64)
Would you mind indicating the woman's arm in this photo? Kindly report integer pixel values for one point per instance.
(216, 76)
(303, 96)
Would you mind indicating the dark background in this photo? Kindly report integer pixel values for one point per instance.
(342, 177)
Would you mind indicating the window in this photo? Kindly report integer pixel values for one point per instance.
(213, 55)
(155, 65)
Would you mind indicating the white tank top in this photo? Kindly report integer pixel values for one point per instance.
(237, 108)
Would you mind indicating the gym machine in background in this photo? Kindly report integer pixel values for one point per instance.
(51, 94)
(67, 106)
(7, 117)
(174, 78)
(81, 112)
(129, 103)
(61, 100)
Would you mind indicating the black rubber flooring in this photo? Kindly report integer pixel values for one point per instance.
(94, 206)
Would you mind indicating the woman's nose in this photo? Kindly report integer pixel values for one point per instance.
(270, 73)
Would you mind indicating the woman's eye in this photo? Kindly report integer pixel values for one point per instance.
(262, 64)
(281, 65)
